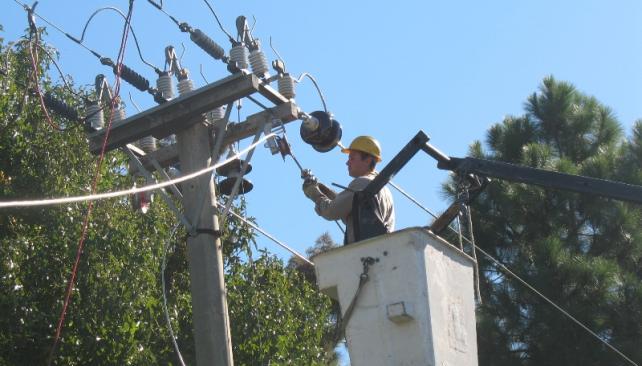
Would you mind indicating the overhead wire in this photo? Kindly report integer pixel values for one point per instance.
(106, 195)
(92, 197)
(140, 54)
(316, 85)
(126, 73)
(229, 36)
(257, 228)
(552, 303)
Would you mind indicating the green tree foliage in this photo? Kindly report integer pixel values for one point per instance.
(582, 251)
(116, 316)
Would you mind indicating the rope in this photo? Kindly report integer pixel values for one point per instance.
(100, 196)
(81, 241)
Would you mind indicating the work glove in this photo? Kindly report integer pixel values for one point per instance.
(327, 191)
(311, 190)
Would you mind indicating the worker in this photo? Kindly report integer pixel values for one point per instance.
(363, 154)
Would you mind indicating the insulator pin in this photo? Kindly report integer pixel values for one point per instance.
(207, 44)
(118, 115)
(165, 85)
(216, 114)
(147, 144)
(95, 116)
(259, 63)
(185, 86)
(286, 86)
(239, 56)
(321, 131)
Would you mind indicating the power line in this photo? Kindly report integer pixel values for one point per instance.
(257, 228)
(559, 308)
(100, 196)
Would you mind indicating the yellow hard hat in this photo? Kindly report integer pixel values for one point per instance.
(366, 144)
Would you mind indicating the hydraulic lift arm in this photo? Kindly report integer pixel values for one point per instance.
(477, 173)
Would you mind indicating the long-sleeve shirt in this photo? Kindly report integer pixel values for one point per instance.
(341, 206)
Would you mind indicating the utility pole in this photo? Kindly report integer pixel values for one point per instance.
(209, 298)
(183, 116)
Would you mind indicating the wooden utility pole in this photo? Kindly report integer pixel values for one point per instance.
(183, 116)
(209, 299)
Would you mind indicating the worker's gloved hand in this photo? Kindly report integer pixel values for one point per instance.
(311, 190)
(327, 191)
(307, 176)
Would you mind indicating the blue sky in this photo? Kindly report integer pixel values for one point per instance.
(451, 69)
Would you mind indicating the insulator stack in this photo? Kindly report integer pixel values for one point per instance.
(60, 107)
(286, 86)
(147, 144)
(216, 114)
(118, 115)
(232, 171)
(95, 116)
(259, 63)
(185, 86)
(239, 56)
(165, 85)
(207, 44)
(132, 77)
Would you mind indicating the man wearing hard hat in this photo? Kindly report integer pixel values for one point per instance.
(364, 153)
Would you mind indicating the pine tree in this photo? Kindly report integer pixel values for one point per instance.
(581, 251)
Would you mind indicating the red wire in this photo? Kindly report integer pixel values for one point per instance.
(36, 79)
(70, 285)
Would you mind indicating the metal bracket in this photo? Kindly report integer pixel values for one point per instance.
(164, 196)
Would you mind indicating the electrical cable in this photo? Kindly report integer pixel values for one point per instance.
(163, 285)
(81, 241)
(124, 71)
(26, 8)
(257, 228)
(140, 54)
(219, 22)
(527, 285)
(316, 85)
(197, 36)
(62, 75)
(106, 195)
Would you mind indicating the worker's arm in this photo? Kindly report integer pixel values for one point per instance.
(341, 206)
(338, 208)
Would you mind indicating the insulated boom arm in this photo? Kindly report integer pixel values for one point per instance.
(477, 172)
